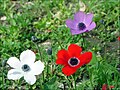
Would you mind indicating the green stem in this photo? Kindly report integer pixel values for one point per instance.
(43, 76)
(47, 68)
(83, 41)
(74, 76)
(52, 63)
(68, 81)
(58, 40)
(39, 51)
(60, 44)
(73, 39)
(18, 83)
(41, 86)
(38, 48)
(105, 56)
(54, 71)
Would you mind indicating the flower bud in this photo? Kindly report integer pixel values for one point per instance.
(49, 51)
(102, 21)
(34, 38)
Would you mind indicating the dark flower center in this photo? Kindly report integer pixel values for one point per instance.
(25, 68)
(81, 26)
(73, 61)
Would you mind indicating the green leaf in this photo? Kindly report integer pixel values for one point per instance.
(94, 59)
(46, 87)
(51, 84)
(52, 81)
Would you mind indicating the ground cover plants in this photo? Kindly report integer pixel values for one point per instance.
(59, 45)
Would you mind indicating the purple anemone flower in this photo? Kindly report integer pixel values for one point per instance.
(82, 23)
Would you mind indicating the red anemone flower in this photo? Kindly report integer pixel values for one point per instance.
(72, 59)
(104, 87)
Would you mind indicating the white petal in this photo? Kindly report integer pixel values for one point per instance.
(31, 79)
(14, 74)
(27, 57)
(14, 62)
(37, 68)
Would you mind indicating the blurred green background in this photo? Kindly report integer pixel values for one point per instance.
(45, 19)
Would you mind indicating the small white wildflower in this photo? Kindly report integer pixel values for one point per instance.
(25, 67)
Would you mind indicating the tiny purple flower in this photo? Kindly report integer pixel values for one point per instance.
(82, 23)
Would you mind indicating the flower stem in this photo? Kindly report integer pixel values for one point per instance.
(43, 76)
(60, 44)
(58, 40)
(41, 86)
(39, 51)
(74, 81)
(52, 64)
(83, 41)
(68, 81)
(47, 67)
(38, 48)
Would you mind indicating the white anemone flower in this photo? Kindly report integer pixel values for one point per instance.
(25, 67)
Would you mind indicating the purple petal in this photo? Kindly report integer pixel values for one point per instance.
(71, 24)
(79, 16)
(91, 26)
(74, 32)
(88, 19)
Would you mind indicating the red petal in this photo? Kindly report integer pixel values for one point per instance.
(61, 61)
(63, 54)
(67, 70)
(74, 50)
(85, 58)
